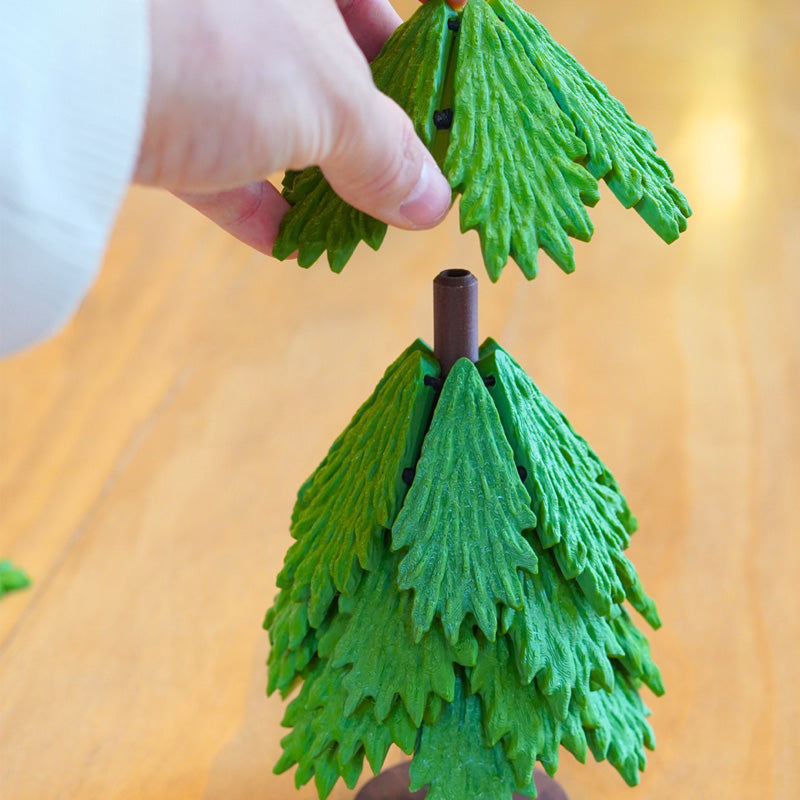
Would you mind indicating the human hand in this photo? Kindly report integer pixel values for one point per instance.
(243, 88)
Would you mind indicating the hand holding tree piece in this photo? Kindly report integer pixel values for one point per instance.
(522, 131)
(241, 89)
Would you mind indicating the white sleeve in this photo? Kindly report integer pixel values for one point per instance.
(74, 78)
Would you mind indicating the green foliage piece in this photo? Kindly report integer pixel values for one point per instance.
(379, 647)
(12, 578)
(617, 728)
(559, 639)
(357, 697)
(327, 743)
(580, 510)
(357, 491)
(454, 761)
(532, 133)
(611, 723)
(411, 66)
(474, 619)
(516, 715)
(293, 643)
(410, 70)
(634, 658)
(513, 154)
(320, 220)
(619, 150)
(343, 509)
(461, 522)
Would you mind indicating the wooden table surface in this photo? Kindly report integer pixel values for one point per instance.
(151, 453)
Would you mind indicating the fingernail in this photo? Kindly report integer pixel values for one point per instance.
(429, 200)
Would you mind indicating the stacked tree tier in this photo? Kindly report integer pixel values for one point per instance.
(458, 587)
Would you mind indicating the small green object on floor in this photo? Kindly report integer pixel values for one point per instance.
(12, 578)
(458, 588)
(521, 131)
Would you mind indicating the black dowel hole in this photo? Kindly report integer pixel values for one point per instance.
(523, 474)
(433, 382)
(408, 475)
(443, 119)
(489, 381)
(454, 23)
(455, 273)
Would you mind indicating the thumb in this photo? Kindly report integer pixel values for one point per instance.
(381, 167)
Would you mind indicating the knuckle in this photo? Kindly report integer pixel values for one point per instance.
(251, 206)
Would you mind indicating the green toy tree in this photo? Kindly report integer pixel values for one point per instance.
(458, 584)
(457, 587)
(521, 131)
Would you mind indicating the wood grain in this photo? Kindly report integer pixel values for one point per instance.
(151, 452)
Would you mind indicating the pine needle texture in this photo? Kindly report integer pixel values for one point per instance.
(453, 760)
(462, 520)
(619, 151)
(459, 588)
(344, 508)
(580, 510)
(521, 130)
(513, 154)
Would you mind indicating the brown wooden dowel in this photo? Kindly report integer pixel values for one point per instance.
(455, 317)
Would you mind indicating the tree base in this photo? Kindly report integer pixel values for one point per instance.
(393, 785)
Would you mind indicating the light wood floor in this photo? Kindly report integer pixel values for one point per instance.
(150, 454)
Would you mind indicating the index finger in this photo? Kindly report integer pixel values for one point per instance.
(370, 22)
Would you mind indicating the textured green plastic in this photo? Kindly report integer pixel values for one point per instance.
(532, 133)
(12, 578)
(580, 510)
(319, 220)
(327, 745)
(410, 70)
(617, 729)
(452, 758)
(462, 527)
(513, 155)
(383, 674)
(358, 698)
(619, 151)
(343, 509)
(468, 625)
